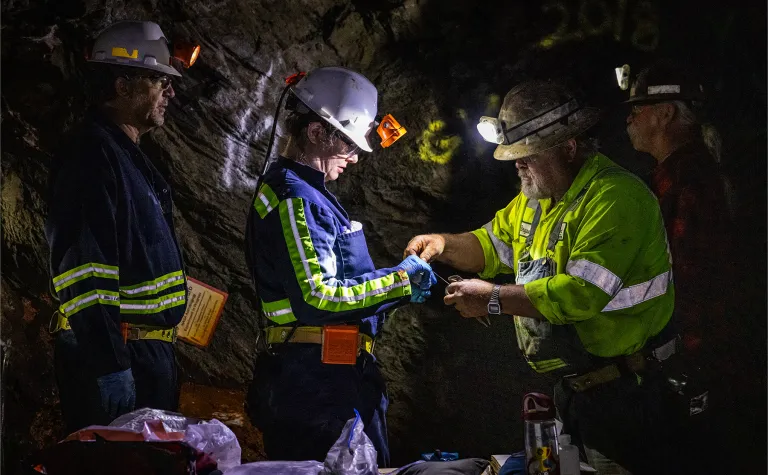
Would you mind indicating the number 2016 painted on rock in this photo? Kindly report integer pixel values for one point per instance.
(595, 19)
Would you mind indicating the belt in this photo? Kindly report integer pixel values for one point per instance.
(130, 331)
(309, 335)
(634, 363)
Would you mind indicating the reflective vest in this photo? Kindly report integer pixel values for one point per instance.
(113, 250)
(609, 285)
(309, 261)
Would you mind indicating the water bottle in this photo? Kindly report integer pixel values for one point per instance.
(542, 452)
(569, 456)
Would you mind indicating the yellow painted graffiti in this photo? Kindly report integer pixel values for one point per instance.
(595, 18)
(436, 146)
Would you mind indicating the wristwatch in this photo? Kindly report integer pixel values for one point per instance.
(494, 305)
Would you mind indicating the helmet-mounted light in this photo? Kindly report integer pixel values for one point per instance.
(622, 77)
(389, 130)
(185, 52)
(490, 129)
(494, 131)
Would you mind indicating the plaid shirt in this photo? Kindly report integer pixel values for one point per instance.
(691, 192)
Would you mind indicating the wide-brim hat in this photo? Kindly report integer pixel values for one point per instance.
(530, 101)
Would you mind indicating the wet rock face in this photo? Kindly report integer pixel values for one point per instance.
(438, 66)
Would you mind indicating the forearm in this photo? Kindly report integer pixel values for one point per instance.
(463, 252)
(514, 301)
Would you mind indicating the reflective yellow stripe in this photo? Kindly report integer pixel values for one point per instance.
(547, 365)
(279, 312)
(91, 269)
(104, 297)
(153, 286)
(265, 201)
(153, 305)
(318, 293)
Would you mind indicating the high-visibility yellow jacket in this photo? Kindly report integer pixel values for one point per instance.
(613, 278)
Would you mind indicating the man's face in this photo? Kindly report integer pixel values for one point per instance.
(642, 124)
(539, 173)
(150, 99)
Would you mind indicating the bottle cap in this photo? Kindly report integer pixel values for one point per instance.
(538, 407)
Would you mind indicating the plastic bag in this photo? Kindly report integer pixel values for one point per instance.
(353, 453)
(212, 438)
(217, 440)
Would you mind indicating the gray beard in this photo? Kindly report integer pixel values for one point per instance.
(532, 191)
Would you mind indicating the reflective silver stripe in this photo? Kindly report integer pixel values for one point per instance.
(151, 306)
(640, 293)
(264, 200)
(596, 274)
(152, 286)
(277, 313)
(506, 254)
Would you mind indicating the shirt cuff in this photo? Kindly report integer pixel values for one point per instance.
(404, 278)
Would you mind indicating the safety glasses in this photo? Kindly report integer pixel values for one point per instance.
(352, 147)
(161, 81)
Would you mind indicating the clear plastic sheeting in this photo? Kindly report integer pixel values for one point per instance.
(211, 437)
(306, 467)
(352, 454)
(135, 421)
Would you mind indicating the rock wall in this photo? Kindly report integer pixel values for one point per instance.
(439, 66)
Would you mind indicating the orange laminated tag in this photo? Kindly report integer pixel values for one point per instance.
(124, 331)
(340, 344)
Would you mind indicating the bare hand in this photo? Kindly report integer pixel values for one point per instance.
(426, 246)
(470, 297)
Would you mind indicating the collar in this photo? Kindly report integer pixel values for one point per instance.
(591, 167)
(102, 120)
(314, 177)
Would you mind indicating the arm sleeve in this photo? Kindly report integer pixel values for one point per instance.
(610, 237)
(82, 237)
(316, 296)
(496, 238)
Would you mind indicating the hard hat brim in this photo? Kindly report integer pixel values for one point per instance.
(159, 68)
(583, 120)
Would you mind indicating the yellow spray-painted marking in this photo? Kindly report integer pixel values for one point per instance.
(123, 53)
(436, 146)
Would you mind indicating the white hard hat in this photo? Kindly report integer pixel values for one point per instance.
(140, 44)
(344, 98)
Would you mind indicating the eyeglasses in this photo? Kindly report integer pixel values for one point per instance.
(163, 81)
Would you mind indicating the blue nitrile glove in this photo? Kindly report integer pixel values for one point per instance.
(418, 295)
(118, 392)
(419, 272)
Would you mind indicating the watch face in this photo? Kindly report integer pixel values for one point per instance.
(494, 308)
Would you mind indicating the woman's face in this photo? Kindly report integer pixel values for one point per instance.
(333, 152)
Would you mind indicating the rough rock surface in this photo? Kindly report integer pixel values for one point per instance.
(439, 66)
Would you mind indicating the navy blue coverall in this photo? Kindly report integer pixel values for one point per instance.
(311, 266)
(114, 259)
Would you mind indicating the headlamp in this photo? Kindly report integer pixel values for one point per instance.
(490, 129)
(389, 130)
(622, 77)
(186, 53)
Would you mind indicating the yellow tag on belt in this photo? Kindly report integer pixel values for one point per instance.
(204, 307)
